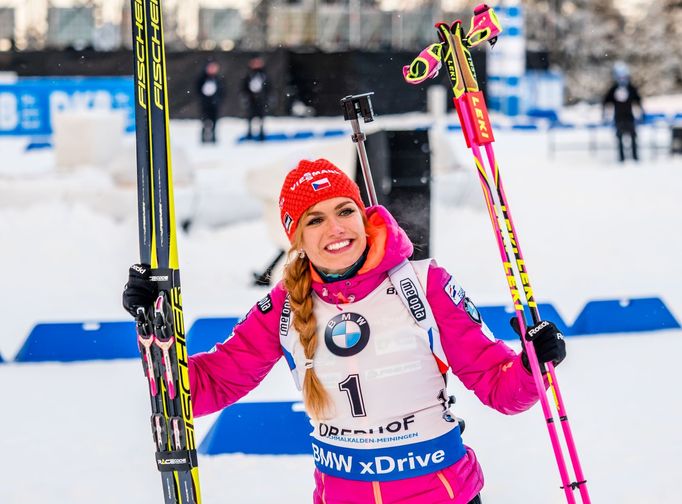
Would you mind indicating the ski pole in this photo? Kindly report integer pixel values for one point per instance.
(477, 130)
(352, 106)
(581, 483)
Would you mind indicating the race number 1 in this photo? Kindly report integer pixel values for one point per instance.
(351, 386)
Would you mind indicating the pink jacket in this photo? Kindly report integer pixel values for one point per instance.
(490, 369)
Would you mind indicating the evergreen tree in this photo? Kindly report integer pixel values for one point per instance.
(583, 38)
(655, 47)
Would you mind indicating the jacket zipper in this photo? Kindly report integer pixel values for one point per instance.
(446, 484)
(324, 489)
(377, 492)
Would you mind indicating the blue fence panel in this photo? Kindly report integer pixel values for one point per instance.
(303, 135)
(27, 106)
(497, 319)
(39, 142)
(67, 342)
(206, 332)
(271, 428)
(548, 114)
(330, 133)
(525, 127)
(630, 315)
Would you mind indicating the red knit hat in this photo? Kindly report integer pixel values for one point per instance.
(308, 184)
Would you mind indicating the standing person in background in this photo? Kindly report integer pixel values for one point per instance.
(255, 88)
(372, 370)
(210, 89)
(622, 96)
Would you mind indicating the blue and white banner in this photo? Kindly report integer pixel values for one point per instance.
(542, 93)
(507, 61)
(27, 106)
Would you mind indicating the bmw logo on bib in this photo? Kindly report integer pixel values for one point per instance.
(346, 334)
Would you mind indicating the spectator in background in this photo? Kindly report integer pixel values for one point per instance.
(255, 88)
(210, 90)
(623, 95)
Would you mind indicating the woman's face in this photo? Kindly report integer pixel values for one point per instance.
(333, 234)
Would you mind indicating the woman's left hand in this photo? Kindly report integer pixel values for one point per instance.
(547, 340)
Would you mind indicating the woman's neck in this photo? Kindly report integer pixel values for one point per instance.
(351, 271)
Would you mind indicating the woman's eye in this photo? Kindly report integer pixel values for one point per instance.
(314, 221)
(346, 211)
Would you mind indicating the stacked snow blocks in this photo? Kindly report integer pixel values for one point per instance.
(264, 428)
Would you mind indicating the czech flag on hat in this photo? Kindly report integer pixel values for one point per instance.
(320, 184)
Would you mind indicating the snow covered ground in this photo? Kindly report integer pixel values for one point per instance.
(590, 228)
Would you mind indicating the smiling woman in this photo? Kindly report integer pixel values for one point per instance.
(333, 235)
(368, 336)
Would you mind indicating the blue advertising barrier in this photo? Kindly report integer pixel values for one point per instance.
(67, 342)
(38, 142)
(264, 428)
(497, 319)
(206, 332)
(629, 315)
(27, 106)
(77, 341)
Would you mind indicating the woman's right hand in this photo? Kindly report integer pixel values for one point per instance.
(140, 291)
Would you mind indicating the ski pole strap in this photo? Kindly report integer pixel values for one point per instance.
(176, 460)
(425, 66)
(485, 26)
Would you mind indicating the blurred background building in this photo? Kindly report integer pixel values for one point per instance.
(568, 46)
(224, 24)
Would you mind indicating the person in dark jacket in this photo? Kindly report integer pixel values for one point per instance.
(210, 90)
(623, 96)
(255, 88)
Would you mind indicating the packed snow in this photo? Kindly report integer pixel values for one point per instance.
(590, 228)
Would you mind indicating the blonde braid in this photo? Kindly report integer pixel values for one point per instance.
(298, 282)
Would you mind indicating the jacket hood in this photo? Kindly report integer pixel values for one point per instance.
(388, 247)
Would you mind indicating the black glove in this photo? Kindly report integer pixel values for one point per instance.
(547, 340)
(140, 291)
